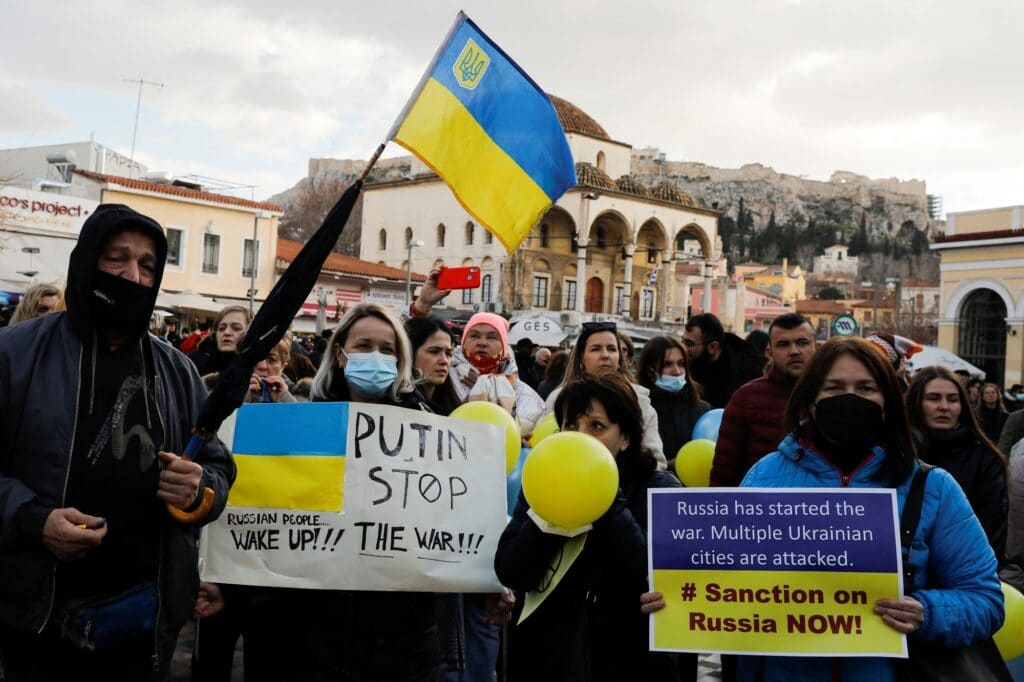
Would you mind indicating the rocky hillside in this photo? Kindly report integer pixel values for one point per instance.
(885, 221)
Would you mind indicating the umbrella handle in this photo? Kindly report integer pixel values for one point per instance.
(207, 494)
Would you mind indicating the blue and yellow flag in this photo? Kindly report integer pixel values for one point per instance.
(295, 460)
(490, 132)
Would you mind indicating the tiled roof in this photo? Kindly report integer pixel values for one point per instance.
(972, 236)
(666, 191)
(336, 262)
(175, 190)
(589, 175)
(812, 306)
(575, 120)
(630, 185)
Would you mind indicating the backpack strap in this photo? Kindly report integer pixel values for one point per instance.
(911, 516)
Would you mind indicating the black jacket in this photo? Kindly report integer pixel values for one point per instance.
(980, 472)
(43, 363)
(676, 419)
(736, 365)
(590, 627)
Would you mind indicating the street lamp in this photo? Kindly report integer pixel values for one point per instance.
(408, 271)
(31, 251)
(255, 256)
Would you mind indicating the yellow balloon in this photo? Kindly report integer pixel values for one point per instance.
(489, 413)
(693, 463)
(545, 427)
(570, 479)
(1010, 637)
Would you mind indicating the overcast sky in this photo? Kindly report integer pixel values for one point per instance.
(927, 90)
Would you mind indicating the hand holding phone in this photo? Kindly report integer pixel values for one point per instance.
(459, 278)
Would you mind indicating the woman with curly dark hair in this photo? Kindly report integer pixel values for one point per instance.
(588, 627)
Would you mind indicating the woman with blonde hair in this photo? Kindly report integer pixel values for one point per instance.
(38, 301)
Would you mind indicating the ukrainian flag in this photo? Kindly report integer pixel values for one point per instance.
(490, 132)
(290, 456)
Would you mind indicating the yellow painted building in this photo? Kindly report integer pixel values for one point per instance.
(789, 283)
(982, 281)
(211, 245)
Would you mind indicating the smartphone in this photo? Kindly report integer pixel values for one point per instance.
(459, 278)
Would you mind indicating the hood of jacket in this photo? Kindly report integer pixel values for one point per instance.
(105, 221)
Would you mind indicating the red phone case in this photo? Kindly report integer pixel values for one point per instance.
(459, 278)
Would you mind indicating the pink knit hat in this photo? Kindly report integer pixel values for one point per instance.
(496, 321)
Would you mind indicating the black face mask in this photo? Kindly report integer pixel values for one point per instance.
(847, 424)
(120, 304)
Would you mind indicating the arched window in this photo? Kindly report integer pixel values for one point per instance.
(488, 237)
(382, 240)
(440, 234)
(600, 237)
(408, 236)
(486, 289)
(469, 234)
(982, 339)
(545, 235)
(652, 253)
(600, 161)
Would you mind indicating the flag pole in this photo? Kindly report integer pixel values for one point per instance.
(460, 18)
(370, 164)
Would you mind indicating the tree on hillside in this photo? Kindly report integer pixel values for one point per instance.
(860, 243)
(305, 210)
(830, 294)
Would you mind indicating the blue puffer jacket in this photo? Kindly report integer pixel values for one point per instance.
(962, 602)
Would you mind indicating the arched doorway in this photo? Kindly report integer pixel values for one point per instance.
(982, 339)
(594, 300)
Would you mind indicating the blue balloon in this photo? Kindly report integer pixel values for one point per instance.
(514, 481)
(707, 426)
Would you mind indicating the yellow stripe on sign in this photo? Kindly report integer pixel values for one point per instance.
(289, 482)
(780, 612)
(440, 131)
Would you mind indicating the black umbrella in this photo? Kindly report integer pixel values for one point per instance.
(267, 329)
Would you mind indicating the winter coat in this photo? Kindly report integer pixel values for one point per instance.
(753, 425)
(1013, 571)
(954, 567)
(43, 364)
(651, 437)
(1013, 431)
(736, 365)
(981, 475)
(590, 626)
(991, 422)
(676, 418)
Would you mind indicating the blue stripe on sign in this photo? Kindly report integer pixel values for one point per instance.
(514, 112)
(292, 429)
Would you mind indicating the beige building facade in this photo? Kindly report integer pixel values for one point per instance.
(981, 315)
(608, 247)
(218, 245)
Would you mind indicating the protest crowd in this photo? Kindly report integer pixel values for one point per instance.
(637, 483)
(95, 411)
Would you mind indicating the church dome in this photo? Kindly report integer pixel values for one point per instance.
(630, 185)
(666, 191)
(575, 120)
(588, 175)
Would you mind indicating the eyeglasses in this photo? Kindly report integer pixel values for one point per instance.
(691, 344)
(591, 327)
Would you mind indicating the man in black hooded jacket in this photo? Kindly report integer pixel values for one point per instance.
(91, 414)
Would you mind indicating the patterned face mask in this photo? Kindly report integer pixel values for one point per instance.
(485, 364)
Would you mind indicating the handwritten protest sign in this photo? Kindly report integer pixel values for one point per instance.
(778, 572)
(358, 496)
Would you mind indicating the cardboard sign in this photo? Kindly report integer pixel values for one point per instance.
(360, 497)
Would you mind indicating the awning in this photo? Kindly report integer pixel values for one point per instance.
(540, 329)
(187, 300)
(934, 355)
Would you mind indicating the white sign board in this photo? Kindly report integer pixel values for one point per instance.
(44, 211)
(360, 497)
